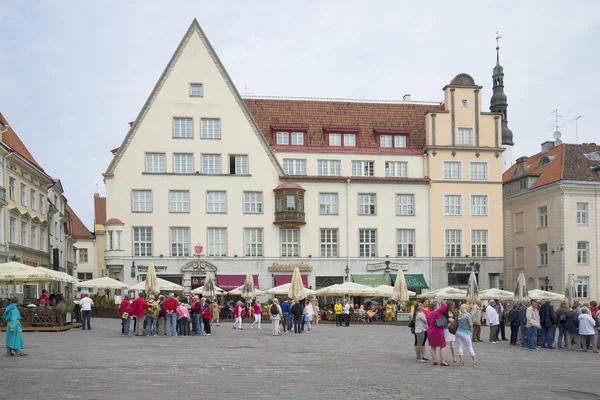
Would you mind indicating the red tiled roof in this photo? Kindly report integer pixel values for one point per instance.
(361, 116)
(10, 138)
(79, 229)
(568, 162)
(99, 210)
(289, 185)
(114, 221)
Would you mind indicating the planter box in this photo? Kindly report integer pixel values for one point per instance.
(102, 312)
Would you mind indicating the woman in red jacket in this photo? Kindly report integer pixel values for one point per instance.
(124, 313)
(206, 317)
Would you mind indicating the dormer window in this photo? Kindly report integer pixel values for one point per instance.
(335, 139)
(293, 138)
(385, 141)
(595, 156)
(349, 140)
(340, 136)
(297, 138)
(283, 138)
(400, 141)
(391, 137)
(545, 160)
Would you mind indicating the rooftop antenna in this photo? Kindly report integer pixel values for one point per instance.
(498, 37)
(247, 90)
(556, 116)
(576, 119)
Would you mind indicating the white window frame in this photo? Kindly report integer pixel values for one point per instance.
(328, 203)
(542, 217)
(210, 128)
(42, 203)
(183, 128)
(464, 103)
(143, 242)
(367, 243)
(451, 209)
(216, 202)
(282, 138)
(385, 141)
(140, 200)
(253, 242)
(179, 201)
(253, 203)
(294, 166)
(329, 167)
(335, 139)
(180, 238)
(542, 252)
(194, 91)
(474, 172)
(583, 287)
(582, 214)
(32, 199)
(155, 163)
(329, 242)
(450, 170)
(583, 252)
(367, 203)
(23, 194)
(43, 239)
(396, 168)
(211, 164)
(183, 163)
(217, 242)
(405, 204)
(480, 239)
(13, 230)
(297, 138)
(453, 242)
(464, 136)
(289, 239)
(480, 209)
(349, 140)
(400, 141)
(12, 188)
(240, 164)
(34, 240)
(24, 234)
(405, 243)
(83, 256)
(363, 168)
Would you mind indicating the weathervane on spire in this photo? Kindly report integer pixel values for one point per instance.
(498, 37)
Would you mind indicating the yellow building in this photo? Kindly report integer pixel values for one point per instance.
(26, 227)
(464, 162)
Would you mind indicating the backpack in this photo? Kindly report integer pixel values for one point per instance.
(243, 313)
(151, 310)
(563, 318)
(274, 310)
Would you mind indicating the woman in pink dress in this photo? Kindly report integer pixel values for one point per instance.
(435, 335)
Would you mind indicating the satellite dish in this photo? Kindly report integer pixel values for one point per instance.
(556, 135)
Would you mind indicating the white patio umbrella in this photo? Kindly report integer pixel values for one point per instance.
(208, 290)
(248, 291)
(350, 289)
(400, 292)
(161, 284)
(60, 276)
(571, 289)
(445, 293)
(151, 283)
(387, 290)
(472, 289)
(520, 289)
(537, 294)
(15, 272)
(498, 294)
(283, 290)
(296, 291)
(239, 290)
(103, 283)
(218, 290)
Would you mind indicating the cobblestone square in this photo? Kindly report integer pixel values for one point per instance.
(360, 362)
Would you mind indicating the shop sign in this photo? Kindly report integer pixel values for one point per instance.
(276, 267)
(156, 268)
(463, 267)
(387, 266)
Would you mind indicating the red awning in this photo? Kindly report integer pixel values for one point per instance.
(230, 282)
(283, 279)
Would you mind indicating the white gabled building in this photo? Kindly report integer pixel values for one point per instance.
(336, 187)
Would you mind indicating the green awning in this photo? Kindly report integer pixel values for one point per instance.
(413, 281)
(370, 280)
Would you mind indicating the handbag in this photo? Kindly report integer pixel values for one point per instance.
(441, 322)
(125, 315)
(453, 326)
(411, 323)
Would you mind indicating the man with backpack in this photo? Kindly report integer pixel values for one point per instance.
(152, 316)
(275, 314)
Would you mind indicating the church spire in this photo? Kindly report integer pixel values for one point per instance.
(498, 102)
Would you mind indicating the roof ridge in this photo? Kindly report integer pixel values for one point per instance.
(341, 100)
(17, 144)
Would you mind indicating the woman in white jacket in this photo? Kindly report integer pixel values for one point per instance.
(308, 316)
(587, 326)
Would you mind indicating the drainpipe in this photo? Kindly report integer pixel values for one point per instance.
(562, 244)
(430, 240)
(348, 223)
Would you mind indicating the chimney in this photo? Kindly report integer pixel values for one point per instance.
(522, 166)
(96, 194)
(406, 97)
(547, 145)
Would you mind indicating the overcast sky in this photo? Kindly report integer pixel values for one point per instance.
(73, 74)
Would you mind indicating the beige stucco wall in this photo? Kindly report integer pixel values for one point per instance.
(561, 235)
